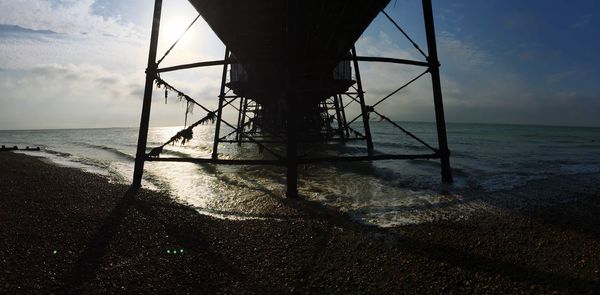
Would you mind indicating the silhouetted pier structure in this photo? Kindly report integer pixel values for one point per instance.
(293, 70)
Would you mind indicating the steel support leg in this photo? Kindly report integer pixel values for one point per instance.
(292, 141)
(140, 155)
(238, 136)
(325, 113)
(291, 102)
(215, 150)
(244, 115)
(292, 165)
(338, 116)
(363, 107)
(343, 111)
(437, 92)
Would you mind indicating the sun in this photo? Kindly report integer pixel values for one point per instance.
(172, 28)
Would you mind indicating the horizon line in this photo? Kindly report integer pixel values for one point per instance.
(429, 122)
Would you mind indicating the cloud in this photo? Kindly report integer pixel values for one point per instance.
(18, 30)
(460, 53)
(474, 89)
(379, 79)
(68, 17)
(71, 79)
(59, 96)
(29, 50)
(415, 102)
(86, 95)
(68, 79)
(452, 13)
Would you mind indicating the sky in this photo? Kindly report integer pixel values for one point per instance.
(80, 63)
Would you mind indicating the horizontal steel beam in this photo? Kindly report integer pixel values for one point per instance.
(195, 65)
(390, 60)
(218, 161)
(283, 141)
(367, 158)
(299, 161)
(233, 61)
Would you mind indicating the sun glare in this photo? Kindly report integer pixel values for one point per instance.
(172, 28)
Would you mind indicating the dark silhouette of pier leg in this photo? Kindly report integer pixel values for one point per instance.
(220, 109)
(238, 136)
(243, 109)
(338, 116)
(292, 142)
(343, 111)
(140, 155)
(292, 150)
(363, 107)
(437, 91)
(291, 111)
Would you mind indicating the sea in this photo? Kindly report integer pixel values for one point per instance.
(485, 159)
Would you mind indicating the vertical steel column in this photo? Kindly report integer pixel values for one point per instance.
(363, 107)
(244, 110)
(437, 91)
(292, 143)
(338, 116)
(140, 155)
(220, 109)
(343, 109)
(238, 136)
(292, 136)
(325, 114)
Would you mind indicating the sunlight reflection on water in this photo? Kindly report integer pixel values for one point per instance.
(486, 158)
(257, 191)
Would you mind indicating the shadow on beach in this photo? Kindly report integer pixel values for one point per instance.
(116, 240)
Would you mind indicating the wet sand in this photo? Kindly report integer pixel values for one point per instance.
(66, 231)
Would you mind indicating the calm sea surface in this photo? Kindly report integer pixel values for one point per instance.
(485, 158)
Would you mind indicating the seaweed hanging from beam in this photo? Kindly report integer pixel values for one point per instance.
(183, 136)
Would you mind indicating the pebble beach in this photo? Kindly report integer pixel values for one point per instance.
(70, 232)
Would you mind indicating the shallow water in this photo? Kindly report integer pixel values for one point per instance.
(485, 159)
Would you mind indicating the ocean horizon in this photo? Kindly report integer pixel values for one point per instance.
(425, 122)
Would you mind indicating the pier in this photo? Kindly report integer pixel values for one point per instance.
(291, 71)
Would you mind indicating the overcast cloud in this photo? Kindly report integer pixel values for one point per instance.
(73, 64)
